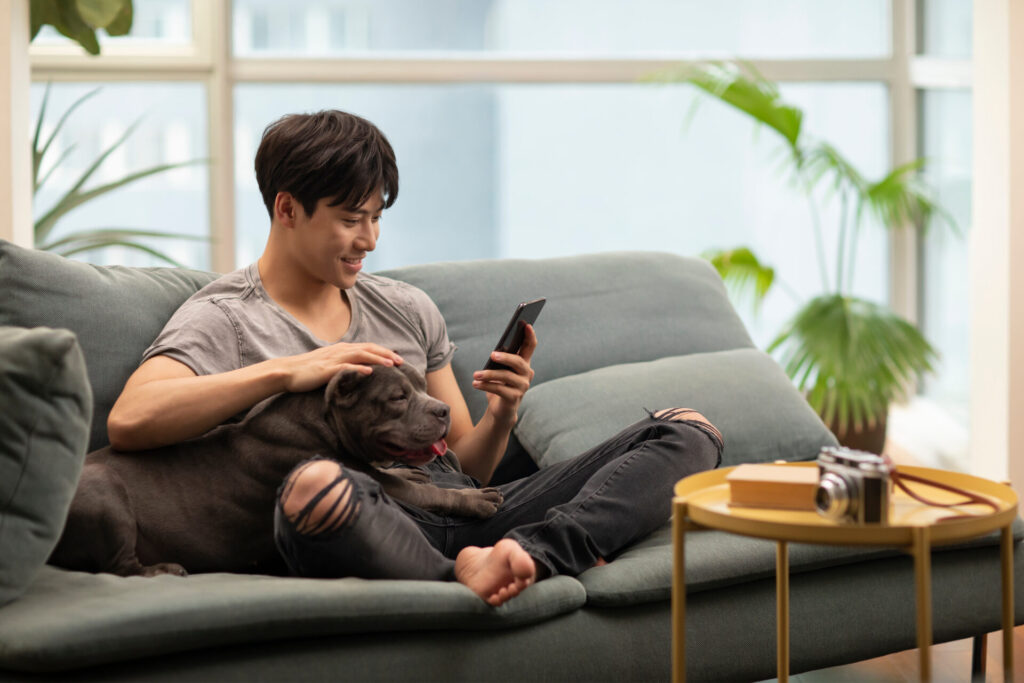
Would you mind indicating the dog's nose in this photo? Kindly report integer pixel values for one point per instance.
(441, 411)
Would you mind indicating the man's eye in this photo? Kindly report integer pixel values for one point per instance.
(350, 222)
(376, 219)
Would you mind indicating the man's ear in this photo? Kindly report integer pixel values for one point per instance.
(341, 388)
(284, 209)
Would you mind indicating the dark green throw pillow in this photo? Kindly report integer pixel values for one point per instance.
(45, 409)
(744, 392)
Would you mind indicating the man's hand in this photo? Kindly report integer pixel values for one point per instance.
(313, 369)
(507, 387)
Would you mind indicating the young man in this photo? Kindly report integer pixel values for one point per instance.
(305, 310)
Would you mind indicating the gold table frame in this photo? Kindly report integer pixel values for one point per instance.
(702, 502)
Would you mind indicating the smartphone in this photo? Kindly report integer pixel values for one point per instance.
(525, 314)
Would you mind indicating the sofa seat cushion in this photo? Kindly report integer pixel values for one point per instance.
(45, 406)
(744, 392)
(602, 309)
(73, 619)
(114, 311)
(715, 559)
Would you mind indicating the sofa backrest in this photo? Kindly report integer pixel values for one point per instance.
(115, 311)
(601, 310)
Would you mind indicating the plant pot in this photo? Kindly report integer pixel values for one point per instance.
(870, 439)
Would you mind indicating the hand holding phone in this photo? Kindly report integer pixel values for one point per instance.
(512, 339)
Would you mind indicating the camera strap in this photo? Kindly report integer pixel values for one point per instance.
(900, 479)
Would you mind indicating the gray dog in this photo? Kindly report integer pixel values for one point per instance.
(207, 504)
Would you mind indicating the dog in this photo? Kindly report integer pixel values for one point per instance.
(207, 504)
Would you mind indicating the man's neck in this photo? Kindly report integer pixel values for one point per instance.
(318, 305)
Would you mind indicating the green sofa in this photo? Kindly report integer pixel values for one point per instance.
(621, 332)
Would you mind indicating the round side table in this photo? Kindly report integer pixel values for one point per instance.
(702, 502)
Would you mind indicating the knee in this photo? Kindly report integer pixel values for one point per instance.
(319, 497)
(692, 417)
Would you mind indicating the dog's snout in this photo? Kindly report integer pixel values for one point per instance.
(441, 410)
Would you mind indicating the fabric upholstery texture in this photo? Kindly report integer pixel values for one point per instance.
(115, 312)
(73, 619)
(45, 407)
(743, 392)
(602, 309)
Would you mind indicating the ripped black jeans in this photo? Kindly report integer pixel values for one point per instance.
(565, 516)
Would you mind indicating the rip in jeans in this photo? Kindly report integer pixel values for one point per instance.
(340, 513)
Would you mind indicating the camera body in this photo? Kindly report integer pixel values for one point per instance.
(854, 486)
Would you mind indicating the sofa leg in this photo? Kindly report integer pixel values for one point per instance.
(979, 655)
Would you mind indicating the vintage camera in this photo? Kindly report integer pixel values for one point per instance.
(853, 486)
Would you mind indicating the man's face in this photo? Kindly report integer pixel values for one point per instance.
(335, 239)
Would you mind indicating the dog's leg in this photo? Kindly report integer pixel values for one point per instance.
(482, 503)
(101, 531)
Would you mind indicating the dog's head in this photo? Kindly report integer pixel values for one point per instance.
(387, 416)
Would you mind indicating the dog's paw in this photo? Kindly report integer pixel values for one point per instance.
(416, 476)
(164, 568)
(481, 503)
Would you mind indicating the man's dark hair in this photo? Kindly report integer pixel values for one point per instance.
(327, 154)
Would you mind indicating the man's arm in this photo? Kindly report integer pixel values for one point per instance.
(165, 402)
(479, 448)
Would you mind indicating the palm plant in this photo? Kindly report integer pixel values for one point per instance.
(851, 357)
(98, 238)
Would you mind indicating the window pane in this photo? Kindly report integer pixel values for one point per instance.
(946, 143)
(549, 170)
(167, 22)
(944, 27)
(171, 128)
(748, 28)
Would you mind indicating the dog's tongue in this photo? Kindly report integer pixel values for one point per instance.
(439, 448)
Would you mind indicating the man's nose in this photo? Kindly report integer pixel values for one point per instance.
(368, 236)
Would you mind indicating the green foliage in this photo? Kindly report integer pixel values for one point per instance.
(742, 272)
(80, 19)
(852, 357)
(76, 195)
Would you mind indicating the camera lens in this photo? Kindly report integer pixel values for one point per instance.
(833, 496)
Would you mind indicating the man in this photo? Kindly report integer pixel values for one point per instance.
(305, 311)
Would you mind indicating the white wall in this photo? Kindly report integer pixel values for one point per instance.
(997, 243)
(15, 149)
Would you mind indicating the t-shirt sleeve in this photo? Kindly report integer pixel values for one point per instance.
(439, 348)
(201, 335)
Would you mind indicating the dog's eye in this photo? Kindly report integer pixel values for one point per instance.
(398, 397)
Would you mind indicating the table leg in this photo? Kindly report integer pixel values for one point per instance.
(923, 582)
(1007, 563)
(679, 593)
(782, 609)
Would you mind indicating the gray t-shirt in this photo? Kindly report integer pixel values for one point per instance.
(232, 322)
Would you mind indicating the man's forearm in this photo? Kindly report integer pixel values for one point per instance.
(481, 449)
(167, 411)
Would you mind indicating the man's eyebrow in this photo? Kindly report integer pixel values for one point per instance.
(360, 212)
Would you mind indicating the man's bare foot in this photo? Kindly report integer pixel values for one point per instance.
(496, 574)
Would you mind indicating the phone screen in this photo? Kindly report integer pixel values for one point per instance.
(512, 339)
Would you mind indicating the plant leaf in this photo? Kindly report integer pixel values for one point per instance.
(98, 13)
(41, 13)
(122, 23)
(860, 355)
(752, 94)
(742, 272)
(71, 24)
(102, 234)
(60, 121)
(73, 198)
(89, 245)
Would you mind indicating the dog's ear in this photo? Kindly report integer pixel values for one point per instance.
(341, 389)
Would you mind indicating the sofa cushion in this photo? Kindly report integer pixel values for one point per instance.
(45, 406)
(744, 392)
(115, 311)
(73, 619)
(716, 559)
(602, 309)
